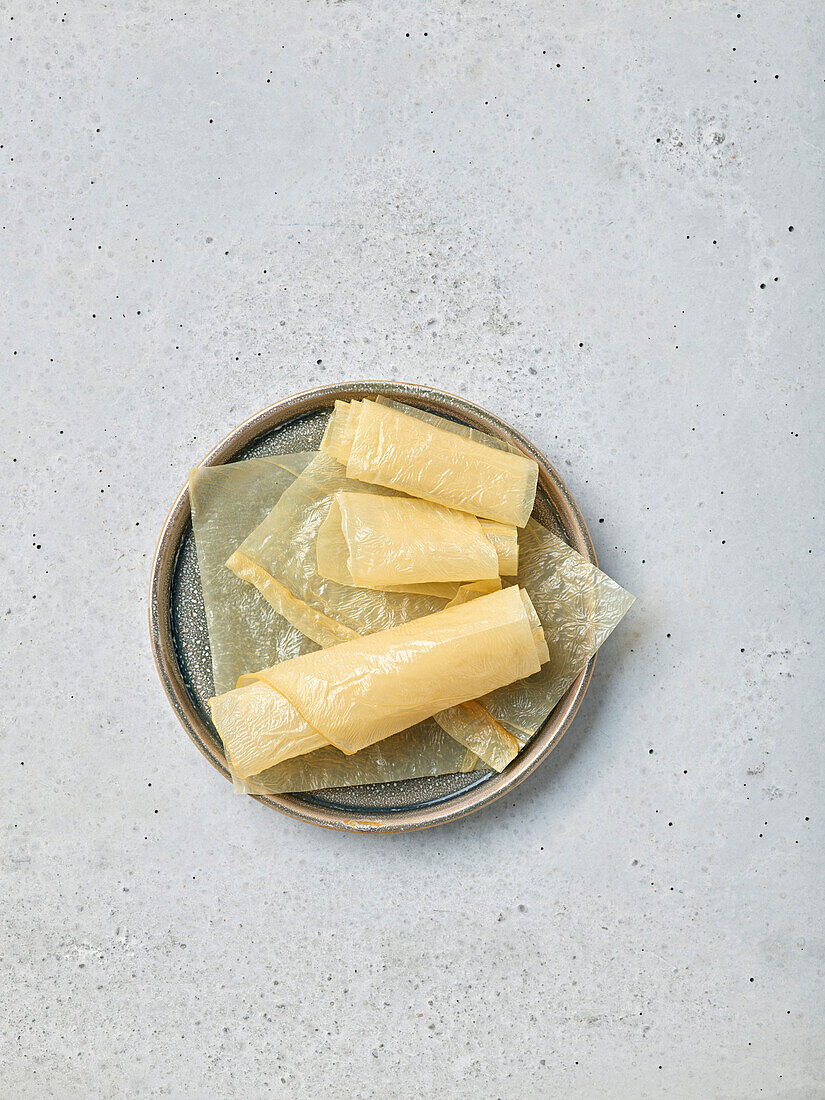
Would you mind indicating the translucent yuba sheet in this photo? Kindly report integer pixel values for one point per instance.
(227, 502)
(504, 538)
(578, 606)
(382, 444)
(357, 693)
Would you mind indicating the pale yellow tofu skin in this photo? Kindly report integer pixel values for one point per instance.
(504, 538)
(247, 718)
(373, 541)
(357, 693)
(337, 439)
(384, 446)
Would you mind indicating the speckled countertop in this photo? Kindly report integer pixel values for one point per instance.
(600, 220)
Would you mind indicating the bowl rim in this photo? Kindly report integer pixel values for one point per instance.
(452, 807)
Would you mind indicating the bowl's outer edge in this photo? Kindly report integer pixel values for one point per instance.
(160, 629)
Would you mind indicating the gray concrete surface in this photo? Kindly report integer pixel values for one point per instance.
(577, 214)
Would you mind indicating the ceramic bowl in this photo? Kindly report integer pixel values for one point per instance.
(180, 641)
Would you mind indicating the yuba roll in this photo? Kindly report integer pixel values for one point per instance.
(382, 445)
(393, 542)
(357, 693)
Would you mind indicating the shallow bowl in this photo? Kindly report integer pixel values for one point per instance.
(180, 642)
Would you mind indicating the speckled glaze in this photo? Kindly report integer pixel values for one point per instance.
(180, 641)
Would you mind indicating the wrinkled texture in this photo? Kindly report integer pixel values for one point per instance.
(391, 542)
(504, 538)
(467, 592)
(362, 691)
(578, 606)
(383, 445)
(260, 728)
(246, 632)
(340, 427)
(423, 750)
(284, 548)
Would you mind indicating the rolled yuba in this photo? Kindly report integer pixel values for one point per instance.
(393, 542)
(354, 694)
(382, 445)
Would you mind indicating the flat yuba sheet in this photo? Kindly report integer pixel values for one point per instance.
(398, 544)
(382, 444)
(359, 692)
